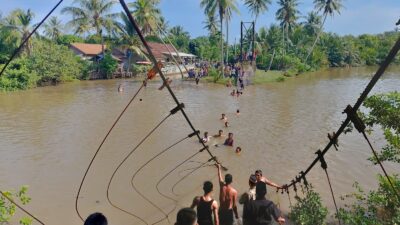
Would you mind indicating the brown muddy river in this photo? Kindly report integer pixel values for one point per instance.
(48, 136)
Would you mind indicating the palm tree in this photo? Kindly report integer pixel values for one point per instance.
(312, 23)
(231, 6)
(90, 15)
(53, 28)
(128, 37)
(211, 24)
(288, 15)
(210, 8)
(147, 15)
(18, 24)
(257, 7)
(328, 7)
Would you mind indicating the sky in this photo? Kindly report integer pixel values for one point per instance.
(357, 17)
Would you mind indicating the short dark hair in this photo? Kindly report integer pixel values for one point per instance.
(96, 219)
(186, 216)
(228, 178)
(207, 187)
(261, 189)
(258, 171)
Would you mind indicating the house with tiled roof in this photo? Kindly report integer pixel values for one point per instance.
(87, 51)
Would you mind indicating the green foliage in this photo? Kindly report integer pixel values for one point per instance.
(380, 206)
(308, 210)
(215, 74)
(54, 63)
(385, 112)
(7, 209)
(140, 69)
(68, 39)
(18, 77)
(108, 65)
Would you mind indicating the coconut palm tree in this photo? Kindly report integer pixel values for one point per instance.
(210, 8)
(211, 24)
(257, 7)
(288, 15)
(312, 23)
(19, 25)
(90, 15)
(128, 38)
(147, 15)
(327, 7)
(231, 6)
(53, 28)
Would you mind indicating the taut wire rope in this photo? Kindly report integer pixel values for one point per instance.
(381, 165)
(16, 51)
(154, 61)
(356, 106)
(28, 37)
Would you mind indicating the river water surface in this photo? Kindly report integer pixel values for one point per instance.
(48, 136)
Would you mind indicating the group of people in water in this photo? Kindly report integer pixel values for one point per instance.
(220, 135)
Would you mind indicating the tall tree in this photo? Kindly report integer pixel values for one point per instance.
(257, 7)
(210, 8)
(287, 14)
(147, 15)
(327, 7)
(231, 7)
(53, 28)
(312, 23)
(19, 25)
(211, 24)
(90, 15)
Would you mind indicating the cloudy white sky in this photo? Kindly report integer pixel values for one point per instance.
(357, 16)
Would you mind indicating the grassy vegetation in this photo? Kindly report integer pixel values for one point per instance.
(262, 77)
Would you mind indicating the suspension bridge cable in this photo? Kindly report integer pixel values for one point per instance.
(188, 174)
(144, 165)
(381, 165)
(28, 37)
(363, 96)
(124, 160)
(20, 207)
(172, 170)
(154, 61)
(100, 146)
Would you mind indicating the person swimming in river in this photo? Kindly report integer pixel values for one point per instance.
(226, 124)
(238, 150)
(220, 134)
(120, 88)
(233, 92)
(237, 112)
(206, 138)
(223, 117)
(229, 140)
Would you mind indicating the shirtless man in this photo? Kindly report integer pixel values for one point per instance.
(227, 199)
(220, 134)
(260, 177)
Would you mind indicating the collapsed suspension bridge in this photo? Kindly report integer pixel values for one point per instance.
(351, 112)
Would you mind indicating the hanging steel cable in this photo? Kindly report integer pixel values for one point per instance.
(99, 147)
(124, 160)
(356, 106)
(145, 164)
(172, 170)
(188, 174)
(154, 61)
(28, 37)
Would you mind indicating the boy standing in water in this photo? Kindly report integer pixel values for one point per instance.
(206, 206)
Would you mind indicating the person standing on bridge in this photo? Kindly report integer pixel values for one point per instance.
(227, 199)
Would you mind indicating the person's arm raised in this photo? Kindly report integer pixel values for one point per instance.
(221, 181)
